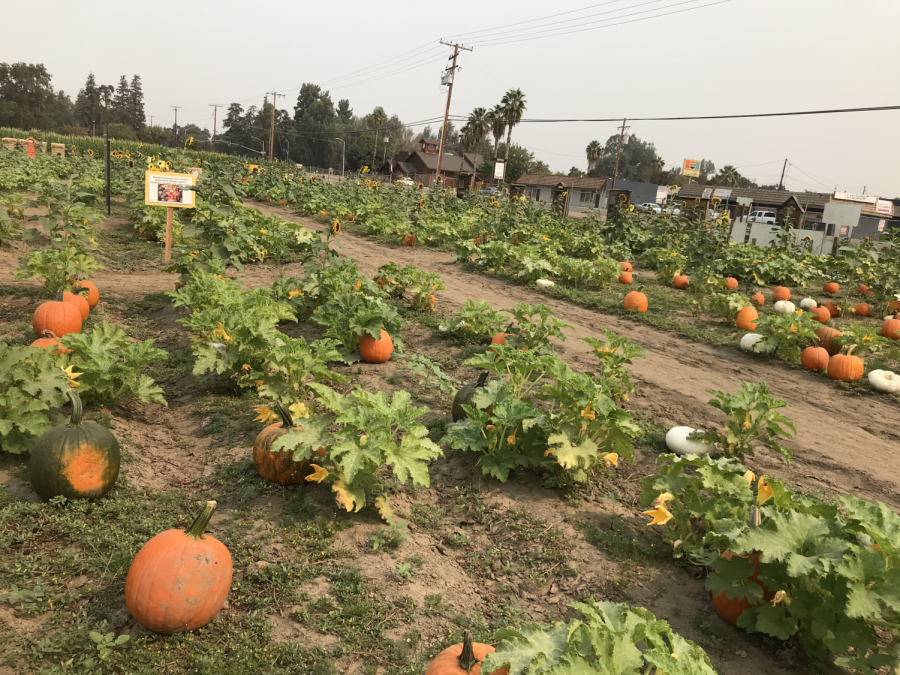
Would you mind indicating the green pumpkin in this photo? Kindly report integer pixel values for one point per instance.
(464, 397)
(78, 460)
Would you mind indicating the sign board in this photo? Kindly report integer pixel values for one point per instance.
(744, 201)
(707, 193)
(853, 197)
(195, 171)
(167, 189)
(881, 224)
(842, 215)
(885, 207)
(500, 169)
(722, 193)
(691, 167)
(845, 230)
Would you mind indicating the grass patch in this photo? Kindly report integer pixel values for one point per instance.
(623, 542)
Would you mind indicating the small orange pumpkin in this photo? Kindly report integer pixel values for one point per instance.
(862, 309)
(409, 240)
(79, 301)
(49, 342)
(862, 289)
(93, 295)
(279, 467)
(636, 300)
(758, 299)
(625, 278)
(820, 314)
(832, 308)
(826, 336)
(463, 659)
(894, 306)
(891, 328)
(846, 367)
(179, 580)
(781, 293)
(746, 318)
(626, 267)
(681, 281)
(56, 316)
(376, 351)
(731, 609)
(831, 288)
(730, 283)
(814, 358)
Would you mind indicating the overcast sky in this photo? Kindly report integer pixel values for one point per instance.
(721, 57)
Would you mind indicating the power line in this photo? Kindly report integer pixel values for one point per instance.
(541, 18)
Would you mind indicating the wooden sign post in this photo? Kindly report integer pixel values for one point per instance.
(169, 213)
(162, 188)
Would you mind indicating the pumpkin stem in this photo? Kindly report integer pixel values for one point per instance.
(755, 516)
(80, 289)
(850, 351)
(59, 294)
(482, 379)
(197, 529)
(286, 420)
(49, 333)
(467, 659)
(77, 410)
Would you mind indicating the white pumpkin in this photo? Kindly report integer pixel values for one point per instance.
(785, 307)
(678, 442)
(885, 380)
(545, 283)
(808, 304)
(748, 342)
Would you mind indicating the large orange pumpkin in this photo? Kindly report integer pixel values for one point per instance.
(279, 467)
(376, 351)
(826, 336)
(891, 328)
(93, 296)
(409, 240)
(636, 300)
(463, 659)
(832, 308)
(50, 341)
(781, 293)
(820, 314)
(862, 309)
(180, 579)
(758, 299)
(731, 609)
(846, 367)
(746, 318)
(831, 288)
(57, 317)
(625, 278)
(681, 281)
(626, 267)
(814, 358)
(730, 283)
(79, 301)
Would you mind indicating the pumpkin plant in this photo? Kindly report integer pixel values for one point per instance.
(58, 269)
(289, 366)
(478, 319)
(613, 354)
(753, 420)
(785, 334)
(535, 326)
(350, 315)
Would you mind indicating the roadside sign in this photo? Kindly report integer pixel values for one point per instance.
(723, 193)
(707, 193)
(500, 169)
(691, 167)
(885, 207)
(168, 189)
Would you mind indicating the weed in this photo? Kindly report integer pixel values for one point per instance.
(429, 518)
(620, 541)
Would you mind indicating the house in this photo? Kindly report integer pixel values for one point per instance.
(421, 164)
(582, 195)
(643, 193)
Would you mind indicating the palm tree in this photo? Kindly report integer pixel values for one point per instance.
(498, 127)
(659, 165)
(594, 152)
(513, 103)
(728, 175)
(479, 124)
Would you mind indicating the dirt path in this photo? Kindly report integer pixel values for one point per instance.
(845, 444)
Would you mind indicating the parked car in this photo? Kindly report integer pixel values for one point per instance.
(764, 217)
(650, 207)
(406, 180)
(490, 191)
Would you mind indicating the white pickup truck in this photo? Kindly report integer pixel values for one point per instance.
(764, 217)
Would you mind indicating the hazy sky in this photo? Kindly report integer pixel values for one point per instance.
(736, 56)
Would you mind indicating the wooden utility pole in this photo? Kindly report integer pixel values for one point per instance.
(783, 169)
(272, 132)
(176, 107)
(618, 152)
(215, 107)
(456, 48)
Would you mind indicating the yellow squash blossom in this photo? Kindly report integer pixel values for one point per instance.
(750, 477)
(664, 498)
(318, 475)
(299, 409)
(262, 231)
(511, 440)
(294, 293)
(660, 515)
(764, 492)
(264, 414)
(72, 376)
(587, 413)
(610, 459)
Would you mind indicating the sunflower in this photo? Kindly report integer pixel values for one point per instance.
(90, 152)
(336, 227)
(139, 155)
(421, 186)
(169, 165)
(198, 160)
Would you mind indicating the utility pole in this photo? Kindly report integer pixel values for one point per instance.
(619, 152)
(272, 132)
(176, 107)
(151, 119)
(781, 182)
(215, 107)
(449, 81)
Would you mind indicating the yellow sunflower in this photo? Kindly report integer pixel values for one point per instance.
(90, 152)
(336, 227)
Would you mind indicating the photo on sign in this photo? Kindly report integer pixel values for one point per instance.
(169, 194)
(169, 189)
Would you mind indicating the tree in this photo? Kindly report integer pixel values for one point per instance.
(637, 161)
(513, 103)
(344, 111)
(521, 161)
(575, 172)
(594, 152)
(479, 124)
(498, 128)
(309, 94)
(122, 132)
(360, 153)
(155, 135)
(199, 134)
(88, 104)
(106, 94)
(707, 169)
(316, 129)
(121, 103)
(136, 104)
(26, 97)
(728, 175)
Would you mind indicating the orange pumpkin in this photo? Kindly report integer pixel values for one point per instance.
(57, 317)
(826, 336)
(846, 367)
(79, 301)
(832, 308)
(831, 288)
(746, 318)
(463, 659)
(180, 579)
(781, 293)
(758, 299)
(730, 283)
(93, 295)
(821, 314)
(891, 328)
(626, 267)
(681, 281)
(862, 289)
(376, 351)
(279, 467)
(814, 358)
(625, 278)
(409, 240)
(49, 342)
(862, 309)
(636, 300)
(731, 609)
(894, 306)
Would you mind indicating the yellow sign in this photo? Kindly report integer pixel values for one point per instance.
(167, 189)
(691, 167)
